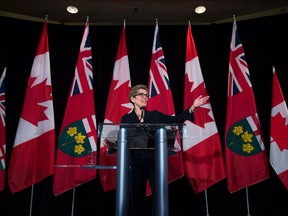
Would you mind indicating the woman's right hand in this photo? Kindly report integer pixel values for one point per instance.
(109, 143)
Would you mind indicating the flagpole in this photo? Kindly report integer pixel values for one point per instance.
(247, 199)
(206, 201)
(73, 198)
(31, 200)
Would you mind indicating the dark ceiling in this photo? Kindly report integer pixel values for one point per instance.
(107, 12)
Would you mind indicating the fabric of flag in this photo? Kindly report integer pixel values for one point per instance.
(279, 132)
(246, 159)
(2, 131)
(202, 152)
(77, 144)
(118, 104)
(33, 153)
(161, 100)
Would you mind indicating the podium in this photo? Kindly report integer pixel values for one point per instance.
(158, 137)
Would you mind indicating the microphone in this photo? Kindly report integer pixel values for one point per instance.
(142, 113)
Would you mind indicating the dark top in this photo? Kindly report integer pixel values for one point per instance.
(142, 135)
(156, 117)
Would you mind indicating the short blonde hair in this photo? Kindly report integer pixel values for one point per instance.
(135, 90)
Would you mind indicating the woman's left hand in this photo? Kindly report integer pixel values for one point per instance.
(199, 101)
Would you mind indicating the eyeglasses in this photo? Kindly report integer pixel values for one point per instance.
(142, 95)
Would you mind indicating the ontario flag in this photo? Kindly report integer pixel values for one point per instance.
(279, 132)
(33, 153)
(2, 131)
(202, 152)
(117, 105)
(77, 144)
(161, 99)
(246, 159)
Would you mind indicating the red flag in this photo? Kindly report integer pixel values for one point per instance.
(32, 157)
(246, 159)
(2, 131)
(161, 100)
(279, 132)
(77, 144)
(117, 105)
(202, 153)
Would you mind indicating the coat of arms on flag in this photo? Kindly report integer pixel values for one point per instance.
(241, 139)
(76, 139)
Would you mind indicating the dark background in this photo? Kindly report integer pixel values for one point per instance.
(265, 45)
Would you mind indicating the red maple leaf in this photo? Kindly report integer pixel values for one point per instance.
(33, 110)
(201, 116)
(116, 104)
(279, 131)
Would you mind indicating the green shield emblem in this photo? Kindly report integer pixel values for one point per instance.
(74, 140)
(242, 140)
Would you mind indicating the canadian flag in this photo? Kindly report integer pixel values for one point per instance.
(279, 132)
(117, 105)
(202, 153)
(33, 153)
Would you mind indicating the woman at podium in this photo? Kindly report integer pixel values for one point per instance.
(142, 157)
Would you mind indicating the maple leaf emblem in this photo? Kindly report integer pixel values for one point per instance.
(201, 116)
(279, 131)
(36, 98)
(118, 102)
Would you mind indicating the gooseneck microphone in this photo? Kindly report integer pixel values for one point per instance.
(143, 108)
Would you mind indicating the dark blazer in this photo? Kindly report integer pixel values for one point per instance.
(142, 136)
(156, 117)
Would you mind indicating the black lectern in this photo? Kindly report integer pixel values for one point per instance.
(160, 137)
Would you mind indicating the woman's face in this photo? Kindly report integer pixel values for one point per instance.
(141, 99)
